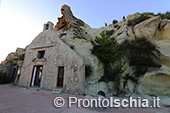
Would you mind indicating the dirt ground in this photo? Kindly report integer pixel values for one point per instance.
(21, 100)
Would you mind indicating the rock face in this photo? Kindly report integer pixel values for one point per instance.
(155, 83)
(69, 21)
(163, 33)
(13, 58)
(5, 69)
(147, 28)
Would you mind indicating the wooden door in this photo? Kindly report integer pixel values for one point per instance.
(60, 77)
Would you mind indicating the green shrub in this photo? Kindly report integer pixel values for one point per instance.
(106, 48)
(88, 70)
(110, 53)
(137, 20)
(148, 13)
(113, 73)
(4, 78)
(164, 15)
(115, 21)
(139, 53)
(110, 32)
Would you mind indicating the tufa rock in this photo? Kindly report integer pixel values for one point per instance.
(147, 28)
(163, 31)
(69, 22)
(13, 57)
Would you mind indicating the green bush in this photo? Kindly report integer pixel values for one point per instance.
(164, 15)
(110, 32)
(110, 53)
(106, 48)
(137, 20)
(4, 78)
(139, 53)
(148, 13)
(115, 21)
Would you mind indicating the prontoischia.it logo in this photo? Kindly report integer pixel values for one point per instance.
(108, 102)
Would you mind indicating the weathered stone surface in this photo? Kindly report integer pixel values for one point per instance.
(133, 16)
(131, 85)
(108, 88)
(124, 33)
(163, 33)
(147, 28)
(69, 21)
(5, 69)
(13, 58)
(95, 104)
(155, 83)
(163, 47)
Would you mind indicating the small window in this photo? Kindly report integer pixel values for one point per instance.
(47, 26)
(41, 54)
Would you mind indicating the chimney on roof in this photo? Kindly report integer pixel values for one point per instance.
(48, 26)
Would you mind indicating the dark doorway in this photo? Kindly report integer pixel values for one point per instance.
(14, 73)
(36, 76)
(60, 76)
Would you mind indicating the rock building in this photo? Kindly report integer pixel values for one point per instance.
(50, 64)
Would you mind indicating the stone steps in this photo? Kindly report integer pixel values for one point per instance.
(57, 91)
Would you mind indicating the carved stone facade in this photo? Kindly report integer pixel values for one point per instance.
(49, 63)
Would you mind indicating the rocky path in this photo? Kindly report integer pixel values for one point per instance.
(20, 100)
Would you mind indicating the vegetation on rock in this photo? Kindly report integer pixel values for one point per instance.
(164, 15)
(106, 48)
(110, 32)
(139, 52)
(137, 20)
(115, 21)
(110, 53)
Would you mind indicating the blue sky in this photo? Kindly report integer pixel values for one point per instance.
(22, 20)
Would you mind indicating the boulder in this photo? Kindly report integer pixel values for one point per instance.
(156, 83)
(133, 16)
(163, 47)
(131, 85)
(124, 33)
(147, 28)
